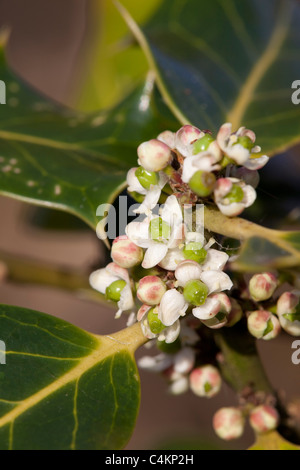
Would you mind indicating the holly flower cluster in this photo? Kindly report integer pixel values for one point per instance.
(194, 165)
(167, 273)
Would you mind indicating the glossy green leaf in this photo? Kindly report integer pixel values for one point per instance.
(113, 61)
(60, 159)
(228, 60)
(260, 253)
(273, 441)
(63, 388)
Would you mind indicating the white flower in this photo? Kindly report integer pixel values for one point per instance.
(172, 259)
(169, 334)
(172, 307)
(176, 368)
(185, 138)
(103, 278)
(228, 142)
(226, 203)
(204, 161)
(156, 363)
(173, 304)
(215, 280)
(152, 195)
(173, 233)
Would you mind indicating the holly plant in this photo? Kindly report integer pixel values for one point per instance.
(208, 105)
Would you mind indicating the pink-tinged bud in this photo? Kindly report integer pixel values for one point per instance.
(125, 253)
(205, 381)
(229, 423)
(150, 290)
(235, 314)
(287, 303)
(154, 155)
(264, 418)
(288, 312)
(263, 324)
(262, 286)
(185, 136)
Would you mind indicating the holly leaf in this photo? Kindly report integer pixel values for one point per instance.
(114, 64)
(228, 60)
(273, 441)
(54, 157)
(63, 388)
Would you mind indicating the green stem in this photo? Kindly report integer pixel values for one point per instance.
(26, 271)
(240, 364)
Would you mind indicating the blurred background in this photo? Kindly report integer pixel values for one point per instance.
(69, 51)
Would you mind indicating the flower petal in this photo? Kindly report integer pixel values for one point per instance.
(168, 138)
(215, 260)
(231, 210)
(138, 232)
(204, 161)
(184, 137)
(171, 211)
(186, 271)
(249, 195)
(172, 259)
(150, 201)
(157, 363)
(216, 281)
(171, 307)
(208, 310)
(238, 153)
(126, 301)
(256, 163)
(101, 279)
(171, 333)
(184, 360)
(118, 271)
(133, 183)
(224, 134)
(154, 254)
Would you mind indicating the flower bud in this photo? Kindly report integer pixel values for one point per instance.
(262, 324)
(245, 141)
(289, 312)
(202, 144)
(219, 318)
(125, 253)
(146, 178)
(195, 292)
(264, 418)
(287, 303)
(262, 286)
(114, 290)
(150, 290)
(229, 423)
(195, 252)
(154, 155)
(185, 136)
(205, 381)
(155, 325)
(202, 183)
